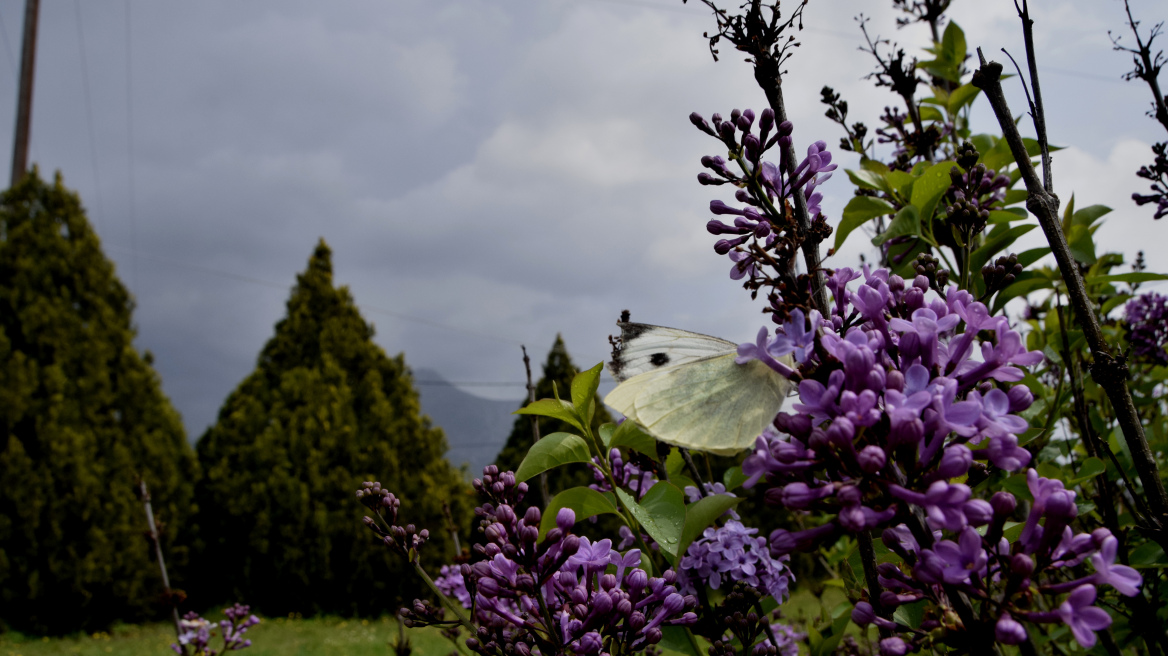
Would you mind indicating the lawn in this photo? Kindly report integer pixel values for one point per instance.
(332, 636)
(273, 637)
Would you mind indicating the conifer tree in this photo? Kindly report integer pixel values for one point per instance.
(83, 416)
(558, 369)
(324, 410)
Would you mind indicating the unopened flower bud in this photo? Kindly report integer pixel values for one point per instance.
(1009, 631)
(566, 519)
(978, 512)
(893, 646)
(1061, 505)
(863, 614)
(505, 514)
(637, 580)
(1003, 503)
(871, 459)
(636, 620)
(570, 545)
(955, 461)
(1020, 398)
(1022, 565)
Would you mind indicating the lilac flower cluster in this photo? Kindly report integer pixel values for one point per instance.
(733, 553)
(764, 235)
(990, 567)
(1147, 326)
(894, 404)
(197, 632)
(787, 639)
(626, 474)
(560, 594)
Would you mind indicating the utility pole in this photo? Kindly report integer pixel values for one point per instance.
(32, 10)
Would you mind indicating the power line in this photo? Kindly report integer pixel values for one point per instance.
(88, 106)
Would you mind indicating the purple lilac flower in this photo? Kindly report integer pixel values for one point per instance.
(692, 496)
(451, 584)
(196, 633)
(733, 553)
(595, 595)
(1147, 326)
(788, 639)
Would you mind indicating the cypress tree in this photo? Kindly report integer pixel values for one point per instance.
(83, 416)
(558, 370)
(324, 410)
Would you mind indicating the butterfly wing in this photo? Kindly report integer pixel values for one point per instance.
(646, 347)
(707, 404)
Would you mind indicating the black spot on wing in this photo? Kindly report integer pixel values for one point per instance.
(659, 359)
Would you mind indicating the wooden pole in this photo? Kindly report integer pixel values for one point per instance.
(24, 99)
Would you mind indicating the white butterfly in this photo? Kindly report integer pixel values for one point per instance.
(686, 389)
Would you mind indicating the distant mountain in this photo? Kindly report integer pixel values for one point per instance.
(476, 428)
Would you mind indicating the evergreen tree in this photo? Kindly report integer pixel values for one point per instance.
(83, 416)
(560, 370)
(324, 410)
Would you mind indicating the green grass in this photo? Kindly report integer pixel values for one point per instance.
(319, 636)
(272, 637)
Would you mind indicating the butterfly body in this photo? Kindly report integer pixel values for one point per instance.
(686, 389)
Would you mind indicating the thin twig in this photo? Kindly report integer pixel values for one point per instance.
(1109, 371)
(156, 543)
(693, 471)
(1036, 111)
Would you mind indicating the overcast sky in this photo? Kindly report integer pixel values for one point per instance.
(487, 172)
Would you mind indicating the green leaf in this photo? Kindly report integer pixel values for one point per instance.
(1028, 257)
(857, 212)
(953, 46)
(1114, 302)
(962, 96)
(906, 222)
(1090, 468)
(868, 180)
(1024, 284)
(733, 478)
(930, 186)
(629, 435)
(1134, 276)
(1082, 246)
(1147, 554)
(1089, 215)
(584, 501)
(931, 114)
(838, 627)
(551, 452)
(874, 165)
(1002, 216)
(606, 432)
(995, 245)
(901, 181)
(699, 515)
(584, 385)
(554, 408)
(673, 638)
(998, 156)
(1015, 196)
(910, 615)
(661, 513)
